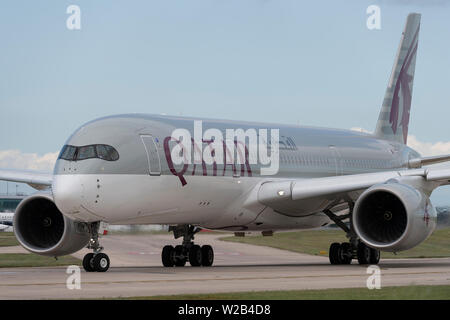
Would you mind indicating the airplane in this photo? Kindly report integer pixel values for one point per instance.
(6, 221)
(134, 169)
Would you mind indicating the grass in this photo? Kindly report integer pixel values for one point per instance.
(388, 293)
(13, 260)
(317, 242)
(7, 239)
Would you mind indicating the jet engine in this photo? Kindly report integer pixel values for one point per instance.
(393, 217)
(42, 229)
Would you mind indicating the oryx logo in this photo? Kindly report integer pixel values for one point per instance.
(403, 86)
(222, 152)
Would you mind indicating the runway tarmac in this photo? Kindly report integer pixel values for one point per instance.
(136, 271)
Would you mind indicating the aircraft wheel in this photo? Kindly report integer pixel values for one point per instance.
(167, 256)
(207, 256)
(180, 262)
(195, 256)
(374, 256)
(88, 262)
(179, 258)
(101, 262)
(345, 253)
(334, 253)
(363, 253)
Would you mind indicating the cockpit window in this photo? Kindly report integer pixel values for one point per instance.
(68, 153)
(86, 152)
(107, 152)
(100, 151)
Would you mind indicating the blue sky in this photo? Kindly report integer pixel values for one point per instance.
(307, 62)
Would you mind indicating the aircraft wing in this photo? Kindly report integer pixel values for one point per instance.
(286, 196)
(37, 180)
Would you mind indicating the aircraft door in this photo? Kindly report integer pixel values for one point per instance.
(154, 163)
(337, 159)
(232, 153)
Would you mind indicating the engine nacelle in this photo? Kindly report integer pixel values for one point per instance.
(393, 217)
(42, 229)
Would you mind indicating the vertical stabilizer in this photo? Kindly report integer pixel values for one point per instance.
(394, 116)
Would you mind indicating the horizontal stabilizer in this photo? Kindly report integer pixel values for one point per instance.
(425, 161)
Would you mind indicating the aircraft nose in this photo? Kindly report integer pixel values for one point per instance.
(67, 193)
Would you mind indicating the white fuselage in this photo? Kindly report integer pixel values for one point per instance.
(126, 191)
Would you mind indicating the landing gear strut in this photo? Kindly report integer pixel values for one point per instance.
(96, 261)
(343, 253)
(188, 251)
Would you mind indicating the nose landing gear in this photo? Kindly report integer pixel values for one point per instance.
(96, 261)
(188, 251)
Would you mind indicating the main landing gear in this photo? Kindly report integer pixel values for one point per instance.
(96, 261)
(188, 251)
(343, 253)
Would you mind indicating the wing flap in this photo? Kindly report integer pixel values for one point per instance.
(304, 189)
